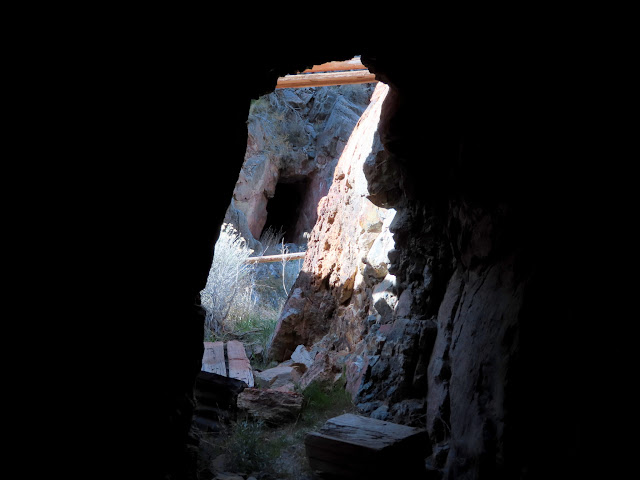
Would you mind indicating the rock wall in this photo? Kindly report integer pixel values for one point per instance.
(517, 211)
(332, 295)
(294, 135)
(423, 283)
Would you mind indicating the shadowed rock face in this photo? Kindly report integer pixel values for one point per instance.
(426, 312)
(484, 341)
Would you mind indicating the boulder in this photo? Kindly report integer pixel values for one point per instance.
(287, 387)
(272, 406)
(216, 400)
(384, 298)
(302, 355)
(218, 390)
(325, 368)
(377, 259)
(277, 376)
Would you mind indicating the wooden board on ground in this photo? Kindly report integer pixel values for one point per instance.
(354, 445)
(239, 366)
(213, 358)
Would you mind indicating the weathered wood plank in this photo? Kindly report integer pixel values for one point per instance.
(213, 390)
(325, 79)
(350, 444)
(324, 446)
(213, 358)
(239, 366)
(276, 258)
(369, 432)
(339, 471)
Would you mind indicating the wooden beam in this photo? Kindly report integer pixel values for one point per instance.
(239, 366)
(213, 358)
(325, 79)
(276, 258)
(353, 64)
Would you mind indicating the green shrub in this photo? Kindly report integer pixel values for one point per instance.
(252, 446)
(323, 400)
(246, 449)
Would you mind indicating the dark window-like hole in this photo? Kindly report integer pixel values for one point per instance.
(283, 210)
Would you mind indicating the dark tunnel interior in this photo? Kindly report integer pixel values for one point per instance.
(283, 210)
(170, 212)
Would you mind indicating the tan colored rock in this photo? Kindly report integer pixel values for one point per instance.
(302, 355)
(325, 369)
(286, 387)
(273, 406)
(277, 376)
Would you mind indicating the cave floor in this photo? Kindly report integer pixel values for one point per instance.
(249, 448)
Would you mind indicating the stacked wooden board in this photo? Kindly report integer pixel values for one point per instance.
(213, 358)
(220, 382)
(239, 367)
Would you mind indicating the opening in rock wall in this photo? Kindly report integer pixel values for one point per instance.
(251, 310)
(283, 210)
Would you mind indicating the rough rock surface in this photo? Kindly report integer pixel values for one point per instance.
(277, 376)
(301, 355)
(273, 406)
(324, 369)
(329, 295)
(293, 135)
(494, 147)
(215, 399)
(419, 295)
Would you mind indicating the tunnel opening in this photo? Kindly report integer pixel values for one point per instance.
(254, 313)
(285, 207)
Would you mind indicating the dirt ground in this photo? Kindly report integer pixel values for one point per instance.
(249, 448)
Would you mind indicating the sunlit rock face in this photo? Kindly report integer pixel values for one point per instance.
(295, 138)
(332, 295)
